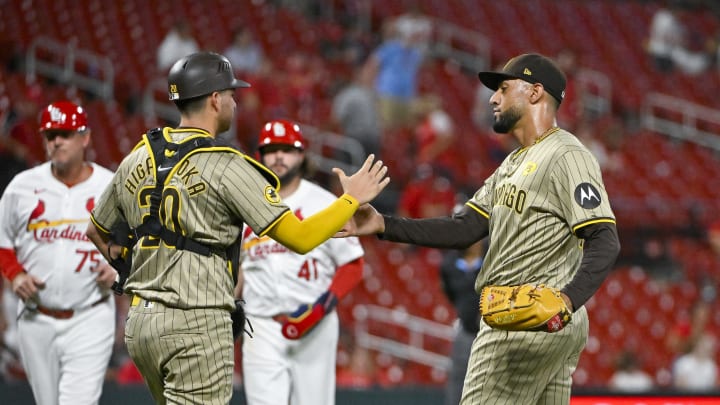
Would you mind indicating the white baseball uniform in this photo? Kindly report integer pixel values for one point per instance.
(276, 281)
(66, 336)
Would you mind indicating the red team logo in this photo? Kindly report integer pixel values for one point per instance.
(39, 210)
(48, 231)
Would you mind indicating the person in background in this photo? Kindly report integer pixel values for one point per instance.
(415, 27)
(435, 134)
(668, 42)
(290, 297)
(697, 369)
(244, 52)
(395, 65)
(355, 112)
(429, 194)
(178, 42)
(65, 313)
(628, 376)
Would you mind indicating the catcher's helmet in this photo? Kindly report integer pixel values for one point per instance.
(199, 74)
(63, 116)
(281, 132)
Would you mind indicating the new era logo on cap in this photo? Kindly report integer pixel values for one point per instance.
(533, 68)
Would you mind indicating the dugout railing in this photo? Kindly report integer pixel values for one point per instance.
(70, 65)
(681, 119)
(399, 334)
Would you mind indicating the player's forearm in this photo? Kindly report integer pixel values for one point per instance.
(600, 250)
(9, 265)
(99, 238)
(304, 236)
(347, 277)
(456, 232)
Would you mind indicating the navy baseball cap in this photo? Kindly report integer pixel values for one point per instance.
(533, 68)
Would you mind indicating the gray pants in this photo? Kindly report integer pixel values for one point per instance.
(510, 368)
(185, 356)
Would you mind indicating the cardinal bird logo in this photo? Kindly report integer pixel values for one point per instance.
(36, 214)
(90, 204)
(38, 211)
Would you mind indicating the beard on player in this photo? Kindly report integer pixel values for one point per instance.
(290, 173)
(506, 120)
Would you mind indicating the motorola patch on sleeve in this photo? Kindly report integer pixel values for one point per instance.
(587, 196)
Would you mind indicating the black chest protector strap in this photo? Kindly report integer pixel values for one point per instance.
(167, 155)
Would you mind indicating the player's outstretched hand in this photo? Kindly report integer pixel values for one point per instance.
(365, 221)
(367, 182)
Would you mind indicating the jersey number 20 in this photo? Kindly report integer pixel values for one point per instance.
(170, 202)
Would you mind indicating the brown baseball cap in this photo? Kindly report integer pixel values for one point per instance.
(533, 68)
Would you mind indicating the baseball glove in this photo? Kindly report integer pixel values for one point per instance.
(524, 308)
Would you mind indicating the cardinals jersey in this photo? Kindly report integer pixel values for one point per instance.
(45, 221)
(278, 280)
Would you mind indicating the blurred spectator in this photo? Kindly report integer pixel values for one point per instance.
(430, 194)
(413, 26)
(264, 101)
(458, 272)
(689, 327)
(244, 52)
(697, 369)
(178, 42)
(434, 134)
(22, 142)
(629, 376)
(354, 111)
(395, 65)
(304, 76)
(571, 112)
(668, 42)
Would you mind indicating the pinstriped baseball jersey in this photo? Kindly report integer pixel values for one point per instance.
(536, 200)
(207, 197)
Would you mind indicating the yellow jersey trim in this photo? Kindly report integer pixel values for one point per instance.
(98, 226)
(592, 222)
(478, 209)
